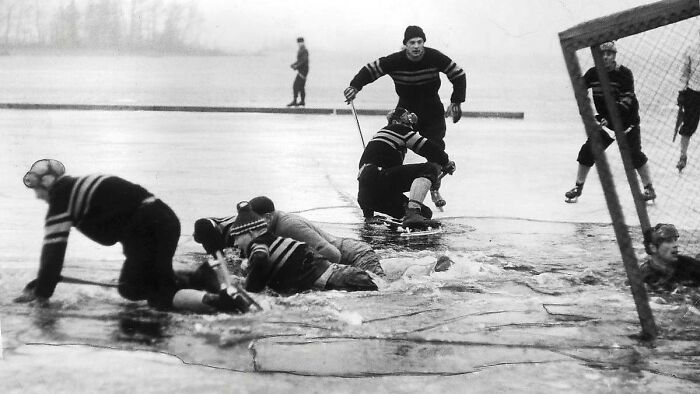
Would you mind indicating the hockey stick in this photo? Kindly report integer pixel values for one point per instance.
(78, 281)
(221, 270)
(679, 122)
(352, 105)
(436, 197)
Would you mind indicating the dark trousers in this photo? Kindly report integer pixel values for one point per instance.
(431, 119)
(634, 141)
(383, 190)
(691, 112)
(298, 88)
(149, 243)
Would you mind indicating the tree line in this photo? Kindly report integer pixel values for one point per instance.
(131, 26)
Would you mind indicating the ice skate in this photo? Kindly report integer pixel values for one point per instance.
(649, 193)
(292, 104)
(573, 194)
(414, 220)
(301, 104)
(682, 163)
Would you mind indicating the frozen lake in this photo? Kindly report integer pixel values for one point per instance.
(536, 301)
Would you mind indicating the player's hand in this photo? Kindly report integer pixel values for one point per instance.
(681, 98)
(350, 93)
(449, 168)
(455, 111)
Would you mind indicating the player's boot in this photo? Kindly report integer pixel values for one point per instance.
(414, 220)
(301, 104)
(573, 194)
(649, 193)
(682, 163)
(231, 300)
(292, 104)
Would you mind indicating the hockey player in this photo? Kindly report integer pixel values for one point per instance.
(383, 178)
(214, 235)
(416, 74)
(288, 266)
(665, 268)
(109, 209)
(622, 84)
(689, 99)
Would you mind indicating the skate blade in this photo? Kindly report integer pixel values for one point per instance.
(421, 232)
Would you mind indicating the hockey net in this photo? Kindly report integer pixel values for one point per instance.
(651, 41)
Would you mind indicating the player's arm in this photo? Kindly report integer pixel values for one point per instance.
(426, 148)
(367, 74)
(628, 99)
(301, 230)
(259, 266)
(456, 75)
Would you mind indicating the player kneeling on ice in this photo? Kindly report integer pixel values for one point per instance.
(383, 178)
(109, 209)
(214, 235)
(288, 266)
(665, 269)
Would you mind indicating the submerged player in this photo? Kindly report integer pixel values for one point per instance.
(215, 235)
(383, 178)
(622, 85)
(665, 269)
(416, 74)
(109, 209)
(288, 266)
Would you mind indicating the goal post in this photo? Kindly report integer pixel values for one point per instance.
(651, 41)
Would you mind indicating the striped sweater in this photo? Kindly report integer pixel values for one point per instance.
(388, 147)
(622, 86)
(416, 82)
(99, 206)
(285, 265)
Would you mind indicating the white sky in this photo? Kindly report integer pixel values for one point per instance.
(516, 26)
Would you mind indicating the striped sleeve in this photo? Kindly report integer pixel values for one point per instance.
(260, 267)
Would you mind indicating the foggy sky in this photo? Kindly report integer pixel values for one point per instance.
(376, 26)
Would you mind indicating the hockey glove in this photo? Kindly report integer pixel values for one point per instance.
(455, 111)
(449, 168)
(350, 93)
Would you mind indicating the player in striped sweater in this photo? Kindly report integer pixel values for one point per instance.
(416, 74)
(383, 178)
(108, 209)
(622, 84)
(288, 266)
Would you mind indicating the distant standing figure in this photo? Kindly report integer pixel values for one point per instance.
(416, 74)
(302, 68)
(689, 99)
(622, 85)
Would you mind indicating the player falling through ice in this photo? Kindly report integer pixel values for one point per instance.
(383, 178)
(108, 209)
(622, 86)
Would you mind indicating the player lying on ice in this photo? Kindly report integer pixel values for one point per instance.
(288, 266)
(109, 209)
(665, 269)
(383, 178)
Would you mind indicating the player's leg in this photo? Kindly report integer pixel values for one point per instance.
(640, 162)
(417, 179)
(585, 161)
(691, 116)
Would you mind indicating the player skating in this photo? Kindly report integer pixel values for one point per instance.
(688, 100)
(416, 74)
(622, 86)
(383, 178)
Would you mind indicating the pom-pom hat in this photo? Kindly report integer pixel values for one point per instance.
(246, 220)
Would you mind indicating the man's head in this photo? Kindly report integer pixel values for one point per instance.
(263, 206)
(414, 40)
(42, 175)
(402, 116)
(661, 242)
(247, 226)
(609, 52)
(300, 40)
